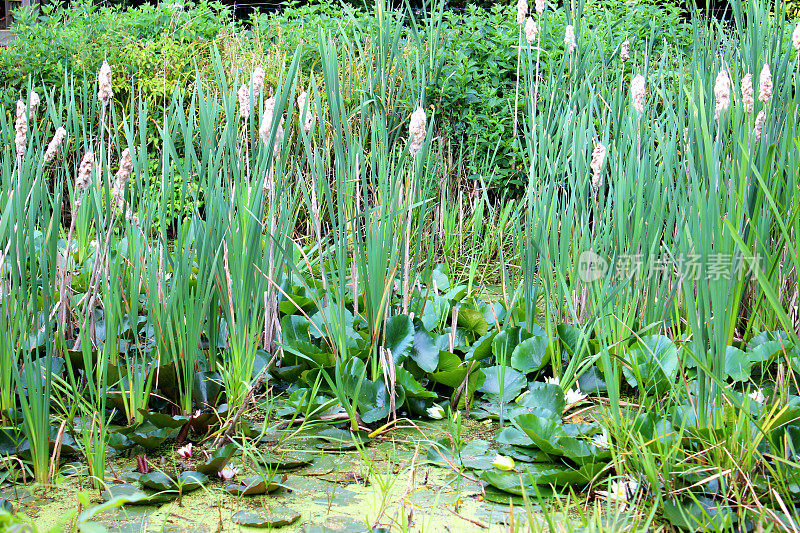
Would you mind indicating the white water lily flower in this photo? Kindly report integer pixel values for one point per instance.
(757, 396)
(228, 472)
(503, 462)
(185, 451)
(553, 381)
(436, 412)
(601, 440)
(575, 395)
(623, 490)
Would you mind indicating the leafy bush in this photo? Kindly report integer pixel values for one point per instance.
(473, 94)
(155, 45)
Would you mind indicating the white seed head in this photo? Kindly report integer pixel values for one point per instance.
(569, 38)
(258, 80)
(55, 143)
(417, 130)
(531, 30)
(33, 103)
(244, 101)
(265, 129)
(21, 128)
(84, 175)
(758, 129)
(104, 91)
(598, 158)
(539, 7)
(747, 93)
(625, 50)
(304, 107)
(765, 85)
(796, 37)
(125, 167)
(638, 93)
(522, 11)
(722, 93)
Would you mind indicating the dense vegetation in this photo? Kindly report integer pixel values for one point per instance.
(579, 223)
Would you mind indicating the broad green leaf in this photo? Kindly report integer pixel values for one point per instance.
(530, 355)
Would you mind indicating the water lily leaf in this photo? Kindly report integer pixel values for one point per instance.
(158, 481)
(591, 381)
(538, 474)
(737, 364)
(295, 331)
(506, 342)
(296, 304)
(494, 312)
(190, 480)
(546, 399)
(399, 336)
(515, 436)
(148, 436)
(525, 454)
(285, 460)
(530, 355)
(217, 460)
(161, 420)
(9, 442)
(340, 439)
(573, 339)
(481, 348)
(206, 390)
(764, 352)
(655, 361)
(254, 485)
(512, 382)
(126, 491)
(555, 438)
(287, 373)
(274, 517)
(440, 274)
(423, 349)
(655, 429)
(6, 506)
(472, 321)
(703, 514)
(374, 403)
(411, 386)
(451, 371)
(332, 315)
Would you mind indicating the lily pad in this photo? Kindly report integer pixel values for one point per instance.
(271, 518)
(6, 506)
(162, 420)
(217, 460)
(149, 437)
(703, 514)
(558, 439)
(157, 481)
(339, 439)
(190, 480)
(512, 382)
(134, 495)
(285, 460)
(530, 355)
(254, 485)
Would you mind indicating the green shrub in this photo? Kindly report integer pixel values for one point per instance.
(155, 45)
